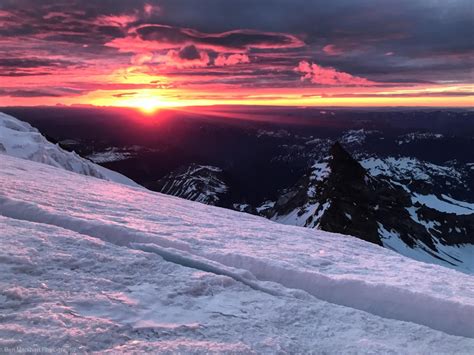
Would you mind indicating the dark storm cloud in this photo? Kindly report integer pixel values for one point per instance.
(189, 53)
(362, 31)
(418, 27)
(428, 23)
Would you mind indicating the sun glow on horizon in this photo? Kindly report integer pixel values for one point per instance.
(147, 105)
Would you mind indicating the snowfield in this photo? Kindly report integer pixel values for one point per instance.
(92, 265)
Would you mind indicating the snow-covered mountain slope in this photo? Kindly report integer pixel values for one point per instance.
(339, 195)
(201, 183)
(421, 176)
(98, 266)
(20, 139)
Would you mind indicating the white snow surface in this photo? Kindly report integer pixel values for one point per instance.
(401, 168)
(405, 168)
(320, 171)
(20, 139)
(92, 265)
(447, 204)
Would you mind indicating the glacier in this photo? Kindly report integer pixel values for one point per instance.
(90, 265)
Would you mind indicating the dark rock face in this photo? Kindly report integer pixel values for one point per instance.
(201, 183)
(346, 199)
(449, 228)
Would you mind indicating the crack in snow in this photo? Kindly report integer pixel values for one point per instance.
(195, 262)
(383, 300)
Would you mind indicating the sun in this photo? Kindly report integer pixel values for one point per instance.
(147, 105)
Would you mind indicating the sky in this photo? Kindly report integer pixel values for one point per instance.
(150, 54)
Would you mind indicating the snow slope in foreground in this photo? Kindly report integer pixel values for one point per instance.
(99, 266)
(21, 140)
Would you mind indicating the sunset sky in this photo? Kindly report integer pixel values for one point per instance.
(150, 54)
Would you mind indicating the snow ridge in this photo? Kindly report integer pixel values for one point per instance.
(386, 301)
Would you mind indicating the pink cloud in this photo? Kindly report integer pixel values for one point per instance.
(232, 59)
(329, 76)
(332, 49)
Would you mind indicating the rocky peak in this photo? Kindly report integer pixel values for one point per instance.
(350, 196)
(343, 167)
(339, 195)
